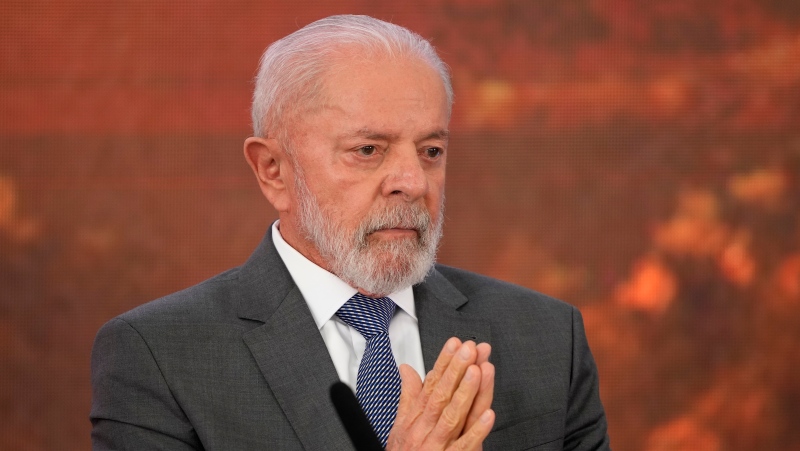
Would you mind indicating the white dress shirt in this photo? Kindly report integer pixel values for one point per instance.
(325, 294)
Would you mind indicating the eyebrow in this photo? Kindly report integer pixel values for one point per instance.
(371, 134)
(438, 134)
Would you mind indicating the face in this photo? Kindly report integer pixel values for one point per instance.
(369, 166)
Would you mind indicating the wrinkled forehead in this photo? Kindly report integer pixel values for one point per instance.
(334, 81)
(349, 61)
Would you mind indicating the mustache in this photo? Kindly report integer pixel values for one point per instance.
(398, 216)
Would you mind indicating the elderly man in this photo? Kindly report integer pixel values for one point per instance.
(351, 138)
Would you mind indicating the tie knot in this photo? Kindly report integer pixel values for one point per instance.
(369, 316)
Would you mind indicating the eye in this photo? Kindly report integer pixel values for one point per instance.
(434, 152)
(367, 150)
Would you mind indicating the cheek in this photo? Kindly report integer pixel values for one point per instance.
(436, 184)
(435, 199)
(348, 207)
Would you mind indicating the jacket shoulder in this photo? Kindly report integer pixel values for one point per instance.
(501, 294)
(211, 298)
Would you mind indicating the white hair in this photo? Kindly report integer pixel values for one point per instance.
(289, 75)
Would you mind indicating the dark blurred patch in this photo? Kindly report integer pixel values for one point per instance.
(784, 10)
(698, 33)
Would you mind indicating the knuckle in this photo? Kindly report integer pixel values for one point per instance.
(439, 399)
(460, 397)
(415, 439)
(459, 445)
(449, 419)
(402, 440)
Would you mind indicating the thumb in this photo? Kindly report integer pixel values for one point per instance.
(410, 388)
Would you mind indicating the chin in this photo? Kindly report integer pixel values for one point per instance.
(401, 265)
(395, 249)
(393, 262)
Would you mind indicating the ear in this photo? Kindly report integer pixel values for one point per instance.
(271, 166)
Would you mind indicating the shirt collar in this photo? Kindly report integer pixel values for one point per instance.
(323, 291)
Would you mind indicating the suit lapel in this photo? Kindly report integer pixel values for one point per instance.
(289, 349)
(293, 358)
(438, 302)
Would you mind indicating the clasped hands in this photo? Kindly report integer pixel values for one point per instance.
(451, 409)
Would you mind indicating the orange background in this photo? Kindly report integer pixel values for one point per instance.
(637, 159)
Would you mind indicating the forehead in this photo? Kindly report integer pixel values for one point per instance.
(360, 84)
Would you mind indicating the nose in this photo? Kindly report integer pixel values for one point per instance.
(405, 176)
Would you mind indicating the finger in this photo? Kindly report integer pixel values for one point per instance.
(448, 382)
(449, 350)
(442, 362)
(410, 388)
(483, 400)
(407, 411)
(444, 389)
(414, 399)
(473, 438)
(485, 394)
(484, 351)
(451, 421)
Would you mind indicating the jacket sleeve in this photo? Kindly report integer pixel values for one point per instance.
(132, 405)
(586, 427)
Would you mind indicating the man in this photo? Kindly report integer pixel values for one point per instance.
(350, 116)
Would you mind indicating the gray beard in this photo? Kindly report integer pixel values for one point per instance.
(376, 267)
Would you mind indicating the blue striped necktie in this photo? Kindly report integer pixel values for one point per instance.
(378, 381)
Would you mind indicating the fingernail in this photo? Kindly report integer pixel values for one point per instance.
(465, 352)
(469, 375)
(486, 416)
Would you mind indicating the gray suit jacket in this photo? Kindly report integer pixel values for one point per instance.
(237, 363)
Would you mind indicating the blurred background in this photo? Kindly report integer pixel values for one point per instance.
(639, 160)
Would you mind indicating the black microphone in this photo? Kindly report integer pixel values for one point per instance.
(354, 419)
